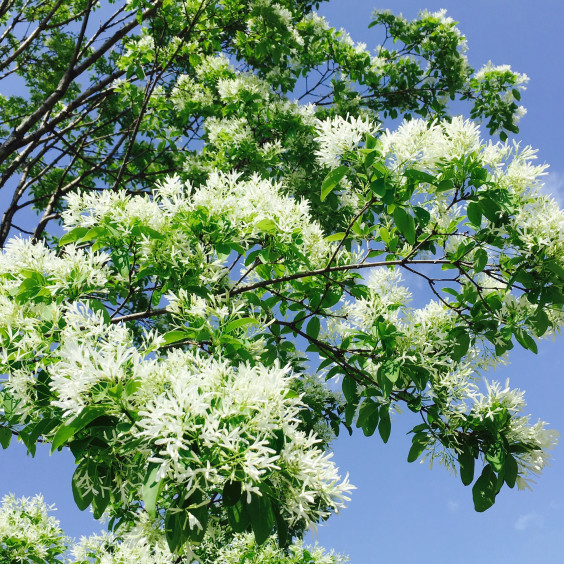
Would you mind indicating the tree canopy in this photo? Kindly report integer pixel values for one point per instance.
(231, 199)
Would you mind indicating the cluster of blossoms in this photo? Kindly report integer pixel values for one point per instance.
(27, 532)
(214, 423)
(35, 281)
(338, 136)
(243, 547)
(535, 437)
(423, 337)
(246, 209)
(91, 352)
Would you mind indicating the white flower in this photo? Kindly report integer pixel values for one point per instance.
(338, 135)
(213, 422)
(416, 142)
(489, 70)
(28, 530)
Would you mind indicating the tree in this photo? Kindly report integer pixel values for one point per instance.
(226, 251)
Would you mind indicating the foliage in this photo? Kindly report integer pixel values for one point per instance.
(228, 254)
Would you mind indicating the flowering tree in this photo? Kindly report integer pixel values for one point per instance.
(224, 231)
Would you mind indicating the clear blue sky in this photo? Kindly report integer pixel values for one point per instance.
(406, 512)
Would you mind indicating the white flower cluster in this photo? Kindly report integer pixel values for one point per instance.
(540, 226)
(337, 136)
(231, 89)
(209, 422)
(257, 206)
(277, 13)
(131, 548)
(189, 91)
(90, 352)
(416, 143)
(243, 546)
(26, 342)
(504, 75)
(252, 206)
(73, 270)
(489, 70)
(229, 132)
(92, 208)
(388, 297)
(27, 532)
(534, 437)
(423, 338)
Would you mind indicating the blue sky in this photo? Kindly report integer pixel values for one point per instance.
(406, 512)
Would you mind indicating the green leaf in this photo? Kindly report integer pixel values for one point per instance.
(371, 142)
(461, 341)
(132, 386)
(91, 234)
(510, 471)
(370, 157)
(386, 385)
(236, 323)
(418, 444)
(445, 185)
(151, 489)
(174, 337)
(490, 209)
(101, 501)
(40, 428)
(336, 237)
(422, 215)
(379, 187)
(384, 235)
(238, 517)
(73, 235)
(200, 511)
(71, 427)
(350, 390)
(284, 539)
(391, 370)
(266, 225)
(405, 224)
(5, 437)
(484, 490)
(33, 289)
(556, 268)
(82, 495)
(480, 260)
(385, 424)
(231, 493)
(368, 417)
(419, 176)
(474, 214)
(467, 461)
(174, 533)
(331, 298)
(525, 340)
(262, 517)
(331, 180)
(313, 327)
(540, 322)
(516, 94)
(120, 258)
(350, 412)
